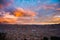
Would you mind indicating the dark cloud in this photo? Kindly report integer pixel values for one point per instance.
(4, 3)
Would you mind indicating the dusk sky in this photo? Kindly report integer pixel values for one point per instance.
(42, 8)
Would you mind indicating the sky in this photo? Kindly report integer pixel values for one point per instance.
(42, 8)
(34, 5)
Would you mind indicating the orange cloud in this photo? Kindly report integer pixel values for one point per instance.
(7, 18)
(54, 19)
(21, 12)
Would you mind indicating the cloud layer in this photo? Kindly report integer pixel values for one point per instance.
(29, 11)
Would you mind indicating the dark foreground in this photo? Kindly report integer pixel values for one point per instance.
(29, 32)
